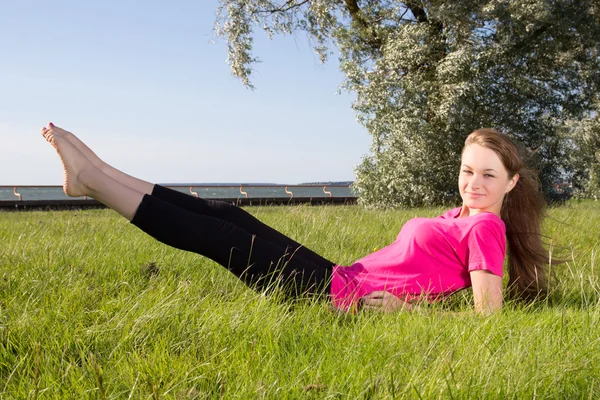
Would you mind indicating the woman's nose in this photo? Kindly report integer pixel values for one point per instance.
(475, 181)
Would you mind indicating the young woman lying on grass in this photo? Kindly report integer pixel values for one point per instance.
(430, 259)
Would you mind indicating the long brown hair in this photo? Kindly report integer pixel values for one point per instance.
(523, 210)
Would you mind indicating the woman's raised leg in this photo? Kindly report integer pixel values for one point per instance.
(120, 176)
(217, 209)
(83, 178)
(239, 217)
(252, 258)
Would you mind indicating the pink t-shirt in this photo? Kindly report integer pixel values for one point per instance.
(431, 258)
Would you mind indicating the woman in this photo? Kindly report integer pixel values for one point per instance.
(431, 258)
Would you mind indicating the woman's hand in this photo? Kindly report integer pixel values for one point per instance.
(384, 301)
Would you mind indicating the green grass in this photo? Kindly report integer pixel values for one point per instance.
(83, 316)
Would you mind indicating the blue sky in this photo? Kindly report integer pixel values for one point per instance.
(149, 91)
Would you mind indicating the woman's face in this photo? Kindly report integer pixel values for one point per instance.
(483, 180)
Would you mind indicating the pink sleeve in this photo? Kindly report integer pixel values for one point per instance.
(487, 248)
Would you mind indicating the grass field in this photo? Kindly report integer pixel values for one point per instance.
(84, 314)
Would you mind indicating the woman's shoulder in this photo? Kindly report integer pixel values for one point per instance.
(486, 222)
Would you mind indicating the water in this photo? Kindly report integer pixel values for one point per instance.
(56, 193)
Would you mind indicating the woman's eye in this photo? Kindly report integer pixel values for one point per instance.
(489, 176)
(467, 171)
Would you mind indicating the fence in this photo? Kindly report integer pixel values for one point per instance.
(52, 197)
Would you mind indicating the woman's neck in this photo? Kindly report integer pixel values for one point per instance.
(469, 212)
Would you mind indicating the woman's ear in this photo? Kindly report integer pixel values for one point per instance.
(512, 183)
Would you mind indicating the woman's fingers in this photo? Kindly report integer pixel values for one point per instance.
(373, 299)
(383, 301)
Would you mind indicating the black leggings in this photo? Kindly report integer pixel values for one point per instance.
(254, 252)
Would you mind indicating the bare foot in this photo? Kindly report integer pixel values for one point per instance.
(52, 129)
(75, 164)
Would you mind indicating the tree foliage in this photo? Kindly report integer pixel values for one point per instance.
(426, 73)
(584, 157)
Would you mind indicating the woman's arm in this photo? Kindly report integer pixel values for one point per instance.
(487, 291)
(487, 295)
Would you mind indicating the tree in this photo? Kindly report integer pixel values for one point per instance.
(426, 73)
(584, 137)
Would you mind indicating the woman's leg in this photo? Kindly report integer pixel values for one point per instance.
(201, 206)
(138, 185)
(237, 216)
(252, 258)
(82, 178)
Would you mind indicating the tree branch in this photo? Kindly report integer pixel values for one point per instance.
(417, 11)
(289, 5)
(421, 16)
(353, 9)
(356, 15)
